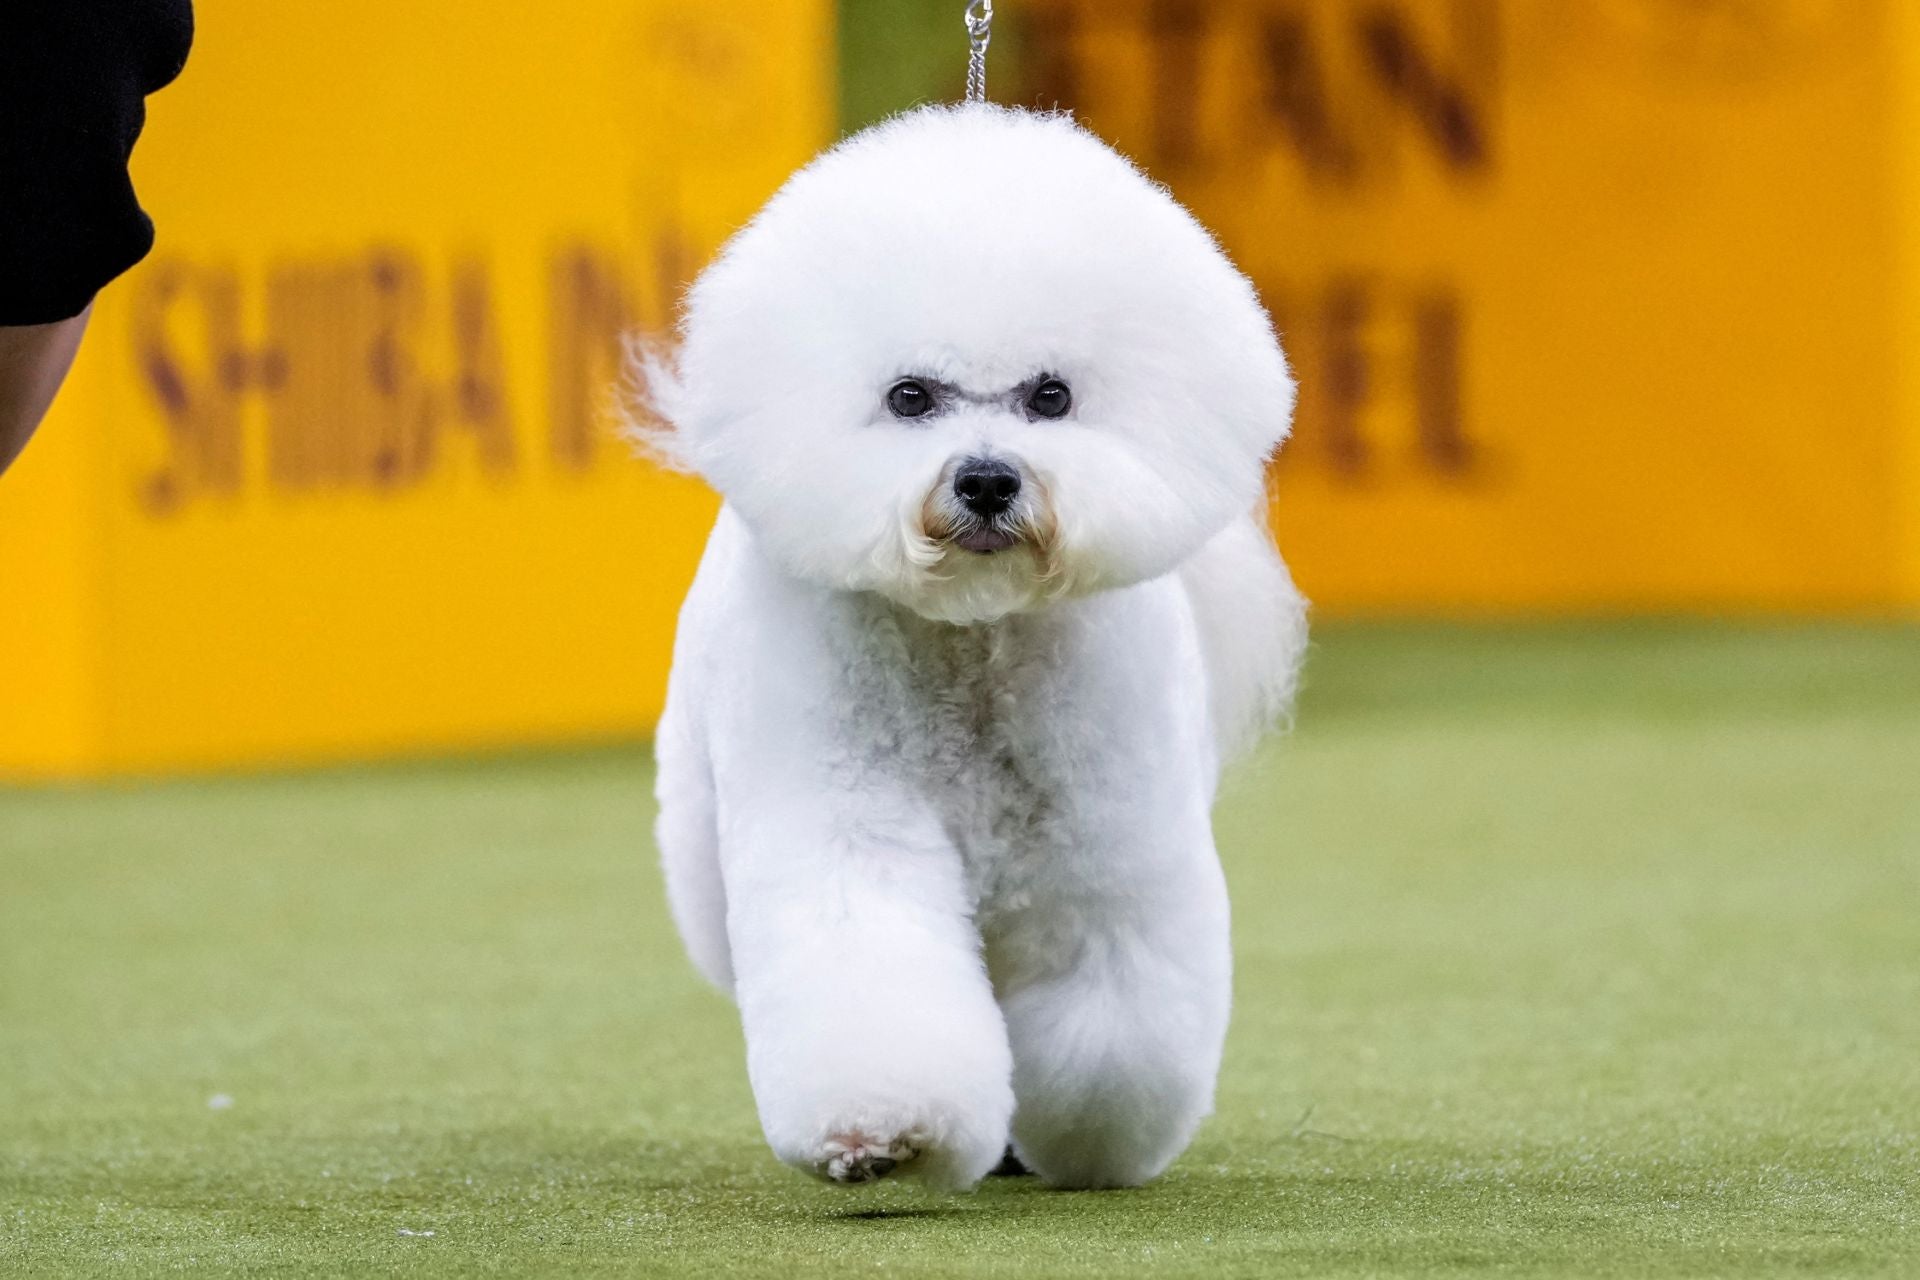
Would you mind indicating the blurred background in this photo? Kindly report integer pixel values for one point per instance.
(1574, 922)
(1599, 308)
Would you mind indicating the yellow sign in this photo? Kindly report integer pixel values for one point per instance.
(334, 475)
(1596, 305)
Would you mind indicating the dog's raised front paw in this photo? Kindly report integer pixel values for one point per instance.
(855, 1157)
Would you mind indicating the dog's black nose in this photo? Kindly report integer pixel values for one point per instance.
(986, 486)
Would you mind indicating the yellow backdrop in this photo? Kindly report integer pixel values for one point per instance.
(1597, 305)
(332, 477)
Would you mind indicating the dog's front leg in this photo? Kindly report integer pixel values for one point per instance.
(1117, 1020)
(873, 1040)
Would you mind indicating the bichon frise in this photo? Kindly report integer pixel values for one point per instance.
(990, 602)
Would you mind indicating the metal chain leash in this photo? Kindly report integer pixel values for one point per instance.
(979, 34)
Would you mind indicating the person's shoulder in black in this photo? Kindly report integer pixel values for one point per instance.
(74, 75)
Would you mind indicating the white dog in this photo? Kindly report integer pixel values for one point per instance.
(989, 604)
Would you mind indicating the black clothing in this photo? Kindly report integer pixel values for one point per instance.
(74, 75)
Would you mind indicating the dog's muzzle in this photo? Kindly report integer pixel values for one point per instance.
(986, 490)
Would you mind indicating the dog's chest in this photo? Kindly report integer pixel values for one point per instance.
(984, 724)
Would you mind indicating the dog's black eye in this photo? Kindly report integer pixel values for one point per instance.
(1051, 399)
(909, 399)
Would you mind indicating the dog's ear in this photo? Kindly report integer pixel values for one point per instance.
(655, 404)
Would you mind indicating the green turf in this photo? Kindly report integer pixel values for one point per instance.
(1567, 952)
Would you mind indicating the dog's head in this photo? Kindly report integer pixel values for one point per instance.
(972, 359)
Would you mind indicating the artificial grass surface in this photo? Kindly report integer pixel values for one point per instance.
(1562, 952)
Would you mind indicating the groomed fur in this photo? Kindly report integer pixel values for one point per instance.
(938, 817)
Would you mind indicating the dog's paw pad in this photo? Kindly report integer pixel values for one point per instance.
(854, 1157)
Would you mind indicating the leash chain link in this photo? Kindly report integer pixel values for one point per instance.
(979, 34)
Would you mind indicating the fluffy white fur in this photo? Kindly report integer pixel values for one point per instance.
(939, 819)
